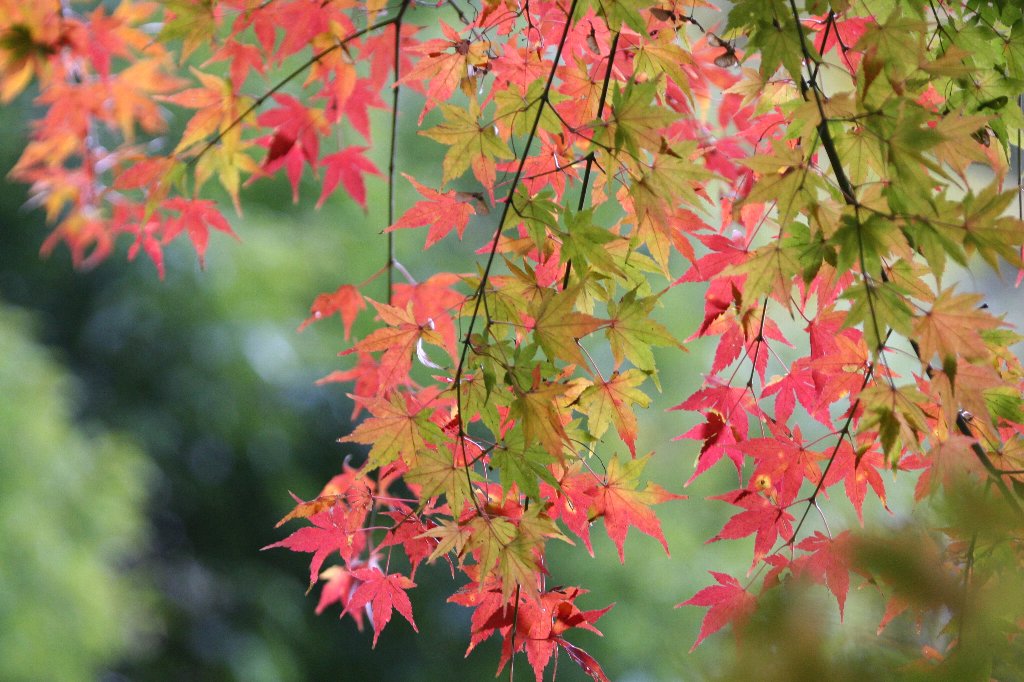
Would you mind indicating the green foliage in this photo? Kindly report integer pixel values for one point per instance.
(73, 524)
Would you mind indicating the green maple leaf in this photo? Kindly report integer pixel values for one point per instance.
(631, 332)
(986, 229)
(662, 55)
(880, 306)
(512, 549)
(539, 213)
(670, 180)
(636, 122)
(537, 411)
(438, 474)
(397, 430)
(618, 12)
(470, 143)
(557, 327)
(522, 464)
(783, 178)
(895, 414)
(779, 47)
(610, 402)
(897, 44)
(522, 108)
(862, 155)
(769, 269)
(583, 243)
(866, 243)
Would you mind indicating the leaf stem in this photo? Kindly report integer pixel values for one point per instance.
(299, 70)
(479, 293)
(396, 92)
(590, 157)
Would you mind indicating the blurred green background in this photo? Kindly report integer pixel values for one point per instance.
(150, 432)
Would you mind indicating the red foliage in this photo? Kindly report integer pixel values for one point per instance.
(589, 150)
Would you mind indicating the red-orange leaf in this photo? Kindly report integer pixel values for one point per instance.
(346, 301)
(623, 505)
(729, 602)
(442, 211)
(383, 593)
(398, 342)
(951, 328)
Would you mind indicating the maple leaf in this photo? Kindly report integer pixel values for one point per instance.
(399, 429)
(511, 549)
(521, 464)
(335, 529)
(951, 328)
(438, 471)
(610, 402)
(725, 409)
(573, 498)
(338, 588)
(366, 382)
(729, 602)
(195, 217)
(539, 413)
(470, 144)
(295, 141)
(631, 332)
(985, 228)
(766, 520)
(442, 211)
(769, 270)
(446, 64)
(785, 461)
(636, 124)
(398, 341)
(557, 327)
(348, 167)
(828, 562)
(622, 505)
(384, 593)
(216, 103)
(433, 302)
(346, 301)
(857, 472)
(244, 59)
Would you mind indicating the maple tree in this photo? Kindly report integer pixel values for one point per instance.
(816, 166)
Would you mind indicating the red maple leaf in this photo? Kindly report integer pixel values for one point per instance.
(857, 472)
(338, 529)
(729, 602)
(784, 461)
(339, 585)
(296, 138)
(384, 593)
(623, 505)
(364, 374)
(442, 211)
(244, 59)
(434, 302)
(347, 167)
(346, 301)
(764, 519)
(828, 563)
(574, 499)
(195, 218)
